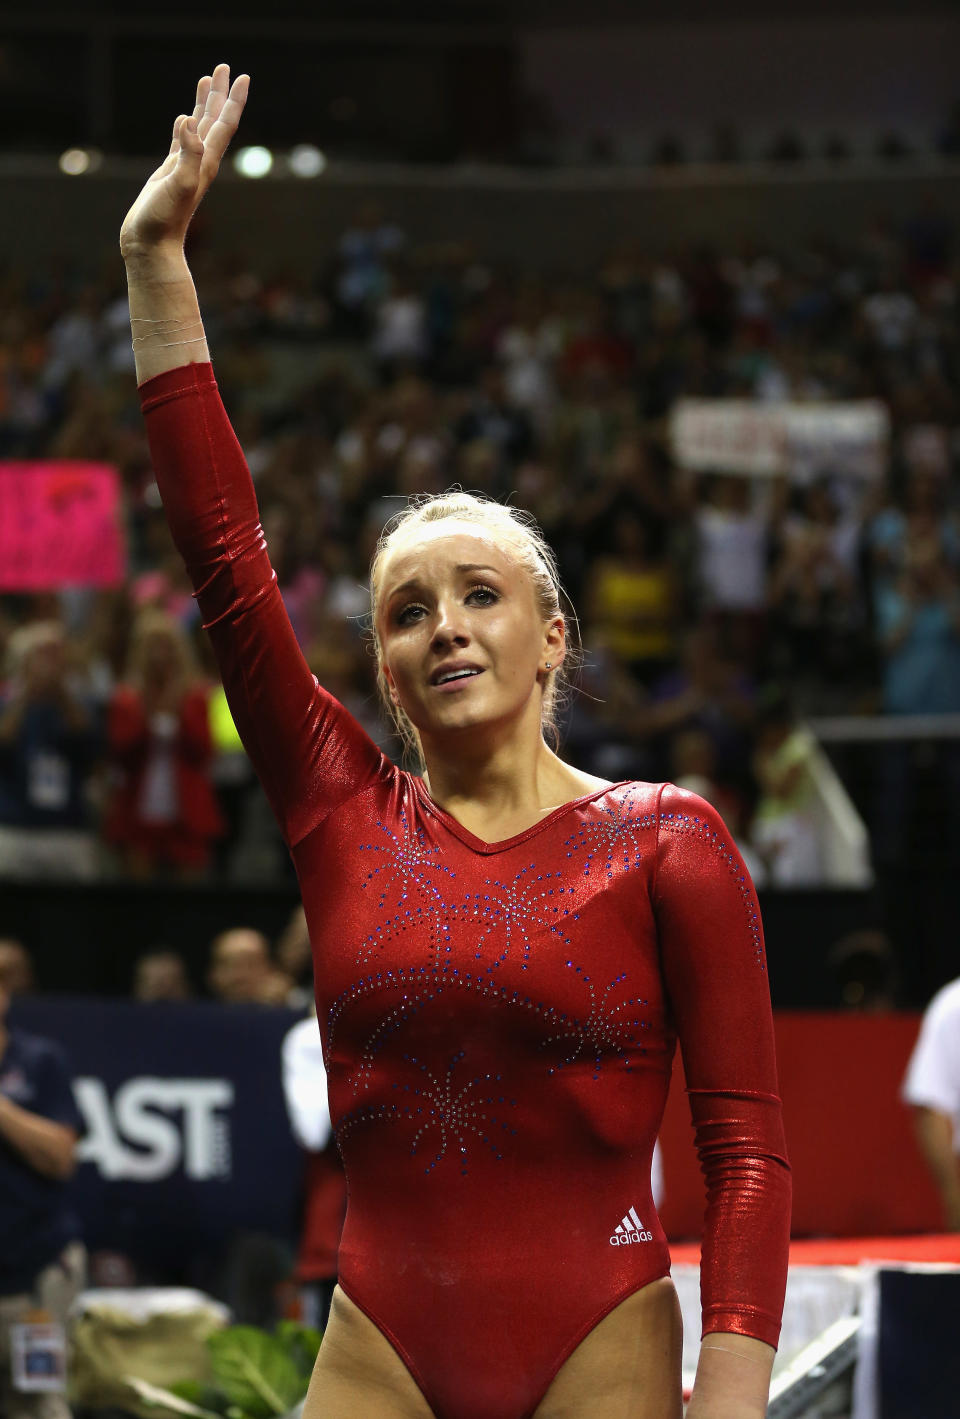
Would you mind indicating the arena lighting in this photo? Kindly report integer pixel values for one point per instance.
(76, 161)
(253, 162)
(307, 161)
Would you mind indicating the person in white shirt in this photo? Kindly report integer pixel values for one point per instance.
(932, 1087)
(325, 1187)
(305, 1085)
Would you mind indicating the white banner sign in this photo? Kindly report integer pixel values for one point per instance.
(800, 440)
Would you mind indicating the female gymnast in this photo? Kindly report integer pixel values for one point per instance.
(506, 949)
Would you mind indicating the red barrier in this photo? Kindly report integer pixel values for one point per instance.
(856, 1168)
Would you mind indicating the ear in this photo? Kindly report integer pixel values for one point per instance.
(389, 682)
(555, 641)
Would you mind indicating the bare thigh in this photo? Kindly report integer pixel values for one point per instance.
(628, 1367)
(358, 1373)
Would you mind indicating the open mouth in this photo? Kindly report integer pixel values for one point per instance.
(450, 679)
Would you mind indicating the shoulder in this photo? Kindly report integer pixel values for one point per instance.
(692, 837)
(633, 798)
(944, 1008)
(668, 803)
(932, 1079)
(674, 813)
(680, 810)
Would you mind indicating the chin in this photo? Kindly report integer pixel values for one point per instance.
(455, 723)
(473, 719)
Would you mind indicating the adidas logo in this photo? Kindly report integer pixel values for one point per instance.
(630, 1230)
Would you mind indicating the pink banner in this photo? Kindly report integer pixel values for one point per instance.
(60, 525)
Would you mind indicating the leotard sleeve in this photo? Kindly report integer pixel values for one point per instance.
(309, 753)
(714, 967)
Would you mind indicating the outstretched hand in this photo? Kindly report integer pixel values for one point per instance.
(161, 214)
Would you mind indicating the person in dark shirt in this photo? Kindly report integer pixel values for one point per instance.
(48, 750)
(42, 1260)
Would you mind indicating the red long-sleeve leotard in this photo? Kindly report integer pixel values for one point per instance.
(499, 1020)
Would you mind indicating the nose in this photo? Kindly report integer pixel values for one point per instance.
(450, 625)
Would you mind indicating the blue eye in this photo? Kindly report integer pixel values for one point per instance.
(408, 614)
(486, 594)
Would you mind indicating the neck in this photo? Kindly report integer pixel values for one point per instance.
(496, 775)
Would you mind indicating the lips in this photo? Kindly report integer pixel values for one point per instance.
(454, 674)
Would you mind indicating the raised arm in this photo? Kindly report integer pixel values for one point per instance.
(309, 753)
(164, 312)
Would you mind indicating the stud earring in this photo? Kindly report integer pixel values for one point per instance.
(549, 665)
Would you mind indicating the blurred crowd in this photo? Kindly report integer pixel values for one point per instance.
(716, 610)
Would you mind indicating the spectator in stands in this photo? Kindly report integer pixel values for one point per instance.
(233, 778)
(164, 813)
(161, 975)
(242, 972)
(932, 1087)
(366, 250)
(16, 967)
(604, 730)
(528, 349)
(732, 543)
(593, 363)
(709, 691)
(817, 612)
(42, 1260)
(492, 419)
(48, 747)
(598, 408)
(784, 828)
(325, 1187)
(694, 768)
(919, 631)
(921, 519)
(630, 484)
(632, 603)
(918, 627)
(890, 312)
(295, 959)
(401, 337)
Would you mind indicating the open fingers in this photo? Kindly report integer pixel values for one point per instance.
(186, 173)
(175, 137)
(216, 97)
(222, 113)
(189, 138)
(203, 90)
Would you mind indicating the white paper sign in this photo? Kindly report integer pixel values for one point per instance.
(801, 440)
(39, 1355)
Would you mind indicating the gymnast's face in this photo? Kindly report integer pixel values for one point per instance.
(462, 640)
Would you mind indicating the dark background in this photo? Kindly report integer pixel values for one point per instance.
(433, 82)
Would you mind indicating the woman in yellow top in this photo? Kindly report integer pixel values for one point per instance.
(632, 603)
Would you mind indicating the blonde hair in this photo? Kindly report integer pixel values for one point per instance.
(25, 640)
(152, 622)
(512, 528)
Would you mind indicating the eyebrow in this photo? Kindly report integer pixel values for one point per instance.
(413, 581)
